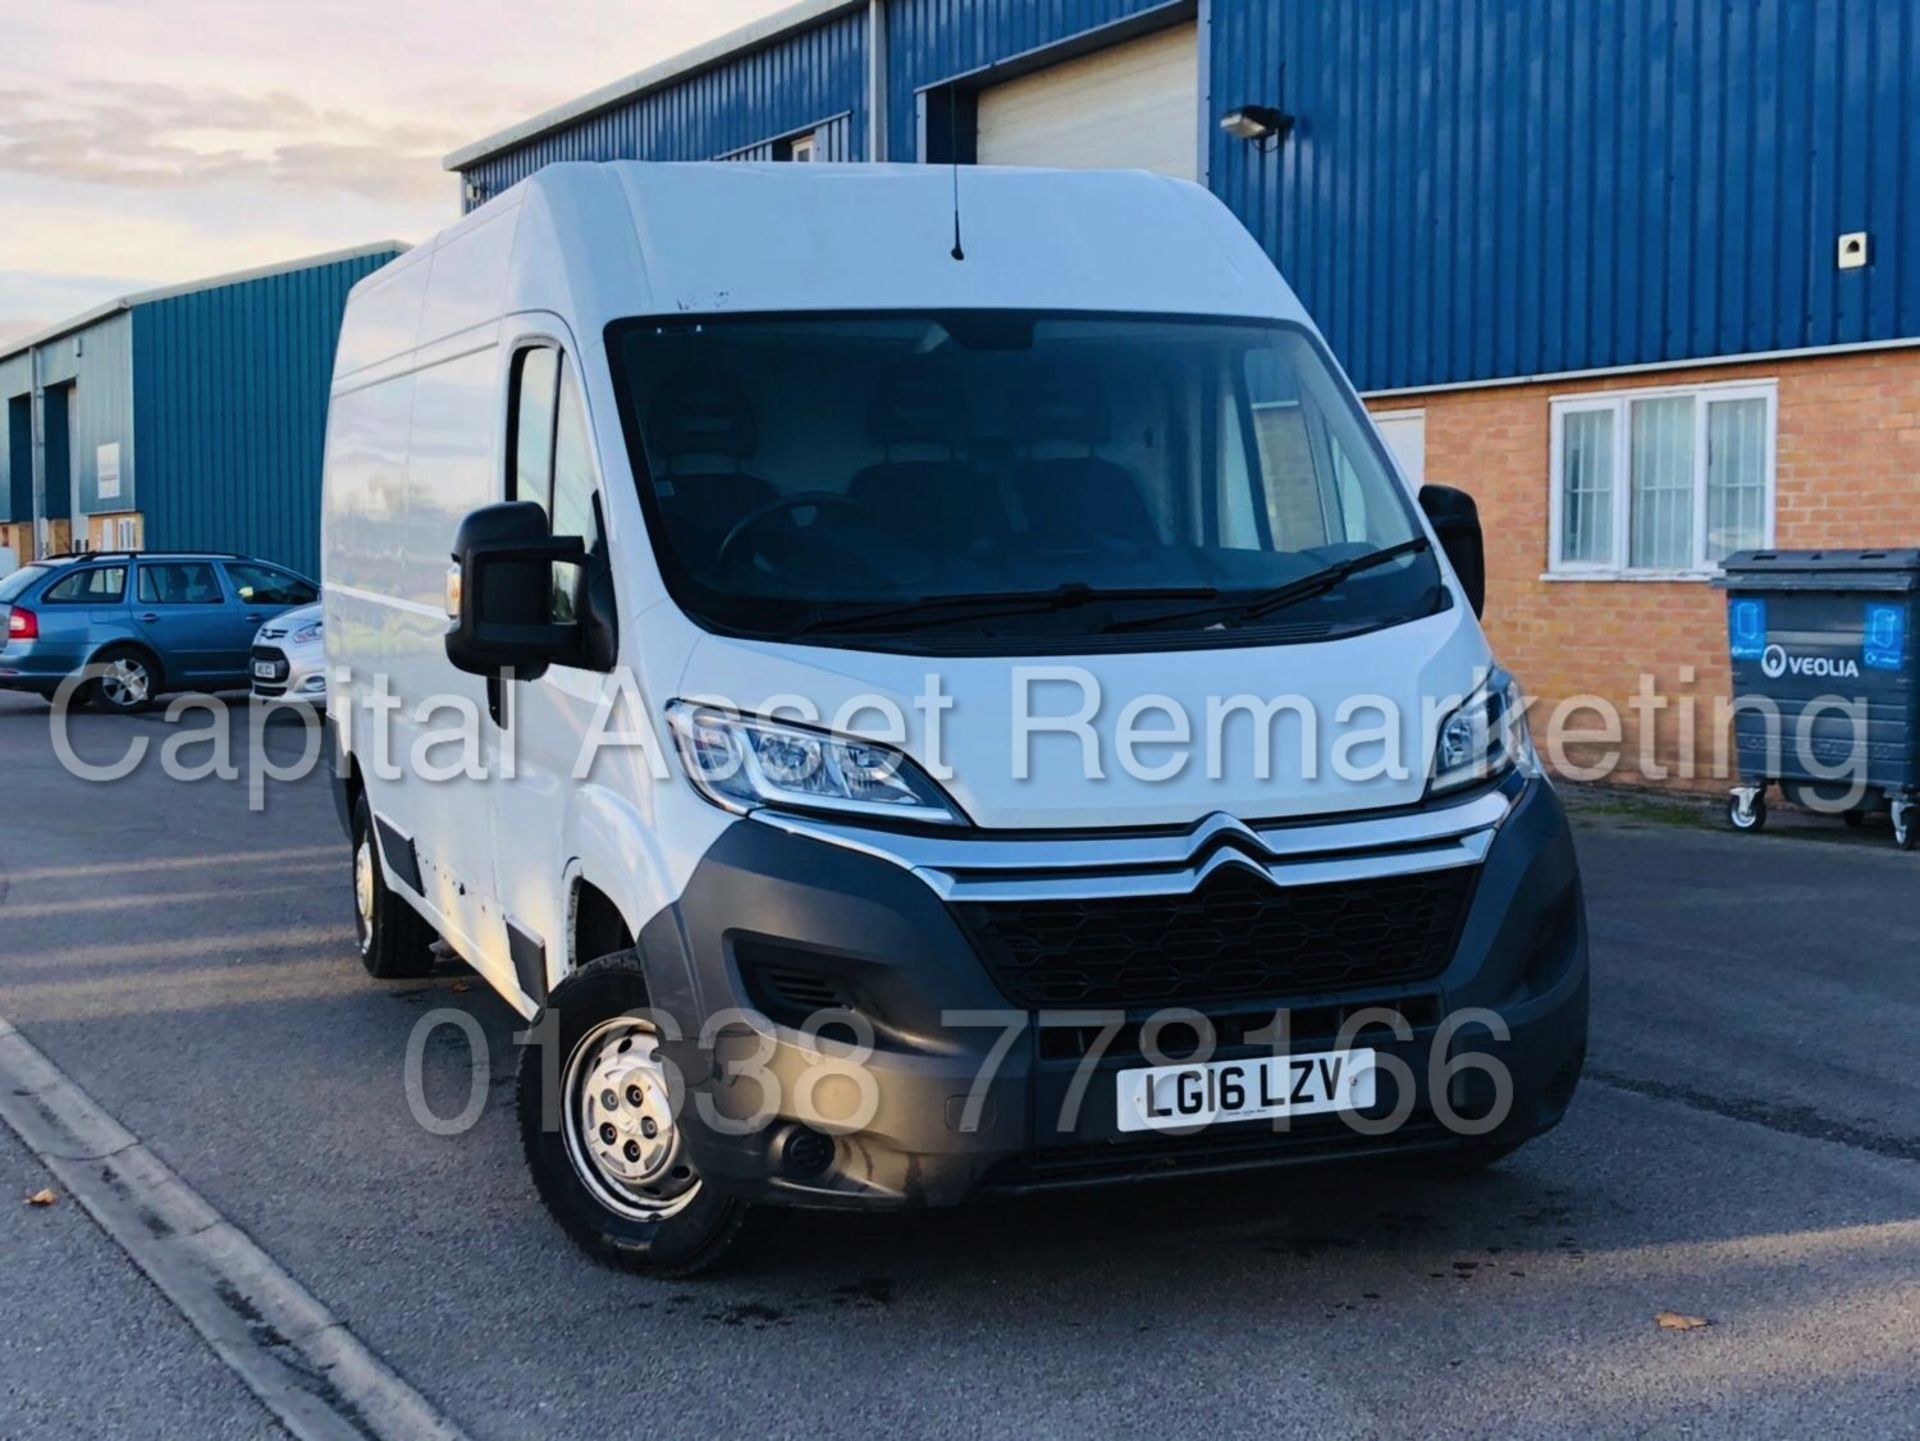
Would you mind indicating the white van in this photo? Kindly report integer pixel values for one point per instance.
(921, 702)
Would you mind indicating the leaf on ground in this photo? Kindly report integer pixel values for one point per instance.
(460, 988)
(1674, 1321)
(42, 1197)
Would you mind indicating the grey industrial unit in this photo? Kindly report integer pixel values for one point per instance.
(1826, 702)
(192, 417)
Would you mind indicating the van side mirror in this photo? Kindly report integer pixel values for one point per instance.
(500, 593)
(1456, 520)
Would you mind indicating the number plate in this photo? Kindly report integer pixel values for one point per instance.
(1260, 1088)
(266, 670)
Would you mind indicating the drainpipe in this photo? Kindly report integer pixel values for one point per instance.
(37, 431)
(877, 80)
(1205, 33)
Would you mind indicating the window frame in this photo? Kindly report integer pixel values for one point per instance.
(47, 596)
(517, 358)
(1619, 405)
(225, 590)
(233, 584)
(569, 375)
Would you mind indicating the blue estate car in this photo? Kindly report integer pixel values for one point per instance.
(157, 621)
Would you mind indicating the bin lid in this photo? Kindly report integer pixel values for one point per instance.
(1881, 570)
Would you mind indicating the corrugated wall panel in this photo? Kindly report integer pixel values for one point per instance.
(929, 41)
(96, 362)
(1476, 189)
(16, 432)
(834, 144)
(807, 78)
(230, 407)
(1486, 188)
(102, 409)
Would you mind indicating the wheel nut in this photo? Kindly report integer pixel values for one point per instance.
(608, 1134)
(610, 1100)
(649, 1127)
(635, 1096)
(633, 1150)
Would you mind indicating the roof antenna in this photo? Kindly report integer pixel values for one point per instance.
(953, 148)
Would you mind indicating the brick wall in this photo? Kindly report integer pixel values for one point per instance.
(1848, 474)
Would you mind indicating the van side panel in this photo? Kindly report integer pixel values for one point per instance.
(383, 315)
(365, 503)
(412, 448)
(449, 744)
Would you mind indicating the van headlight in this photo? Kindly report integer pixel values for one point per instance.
(741, 762)
(308, 633)
(1485, 736)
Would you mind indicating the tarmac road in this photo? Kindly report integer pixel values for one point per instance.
(1747, 1150)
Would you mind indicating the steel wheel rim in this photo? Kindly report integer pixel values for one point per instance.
(363, 877)
(126, 682)
(628, 1153)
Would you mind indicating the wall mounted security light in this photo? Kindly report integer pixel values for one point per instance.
(1261, 124)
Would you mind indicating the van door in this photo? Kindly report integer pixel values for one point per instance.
(551, 461)
(451, 756)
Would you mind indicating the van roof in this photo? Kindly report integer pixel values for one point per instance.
(597, 242)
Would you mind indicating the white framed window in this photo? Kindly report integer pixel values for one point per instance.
(802, 148)
(1661, 483)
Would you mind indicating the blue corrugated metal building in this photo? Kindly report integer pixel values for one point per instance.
(192, 417)
(1472, 189)
(1644, 275)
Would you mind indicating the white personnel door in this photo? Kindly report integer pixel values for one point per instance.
(1405, 432)
(1134, 106)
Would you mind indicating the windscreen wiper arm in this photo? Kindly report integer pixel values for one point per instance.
(1280, 597)
(946, 609)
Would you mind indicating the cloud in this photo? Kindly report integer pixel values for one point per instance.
(172, 141)
(154, 135)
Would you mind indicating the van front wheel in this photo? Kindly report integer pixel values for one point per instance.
(598, 1125)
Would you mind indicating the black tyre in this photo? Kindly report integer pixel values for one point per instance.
(128, 681)
(396, 942)
(597, 1122)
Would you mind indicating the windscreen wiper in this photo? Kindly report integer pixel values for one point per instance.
(947, 609)
(1263, 604)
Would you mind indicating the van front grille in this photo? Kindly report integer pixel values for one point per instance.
(1237, 937)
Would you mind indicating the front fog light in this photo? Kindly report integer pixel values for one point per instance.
(742, 762)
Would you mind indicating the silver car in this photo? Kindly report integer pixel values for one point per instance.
(290, 657)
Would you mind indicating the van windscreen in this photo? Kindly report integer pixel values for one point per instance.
(986, 482)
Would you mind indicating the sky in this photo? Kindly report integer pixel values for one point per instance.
(147, 142)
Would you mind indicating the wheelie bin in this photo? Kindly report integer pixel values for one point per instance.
(1826, 702)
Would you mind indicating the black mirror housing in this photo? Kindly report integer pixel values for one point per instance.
(1456, 521)
(500, 593)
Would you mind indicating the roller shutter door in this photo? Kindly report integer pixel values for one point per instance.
(1133, 106)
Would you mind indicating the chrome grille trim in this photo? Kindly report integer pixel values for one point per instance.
(1088, 865)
